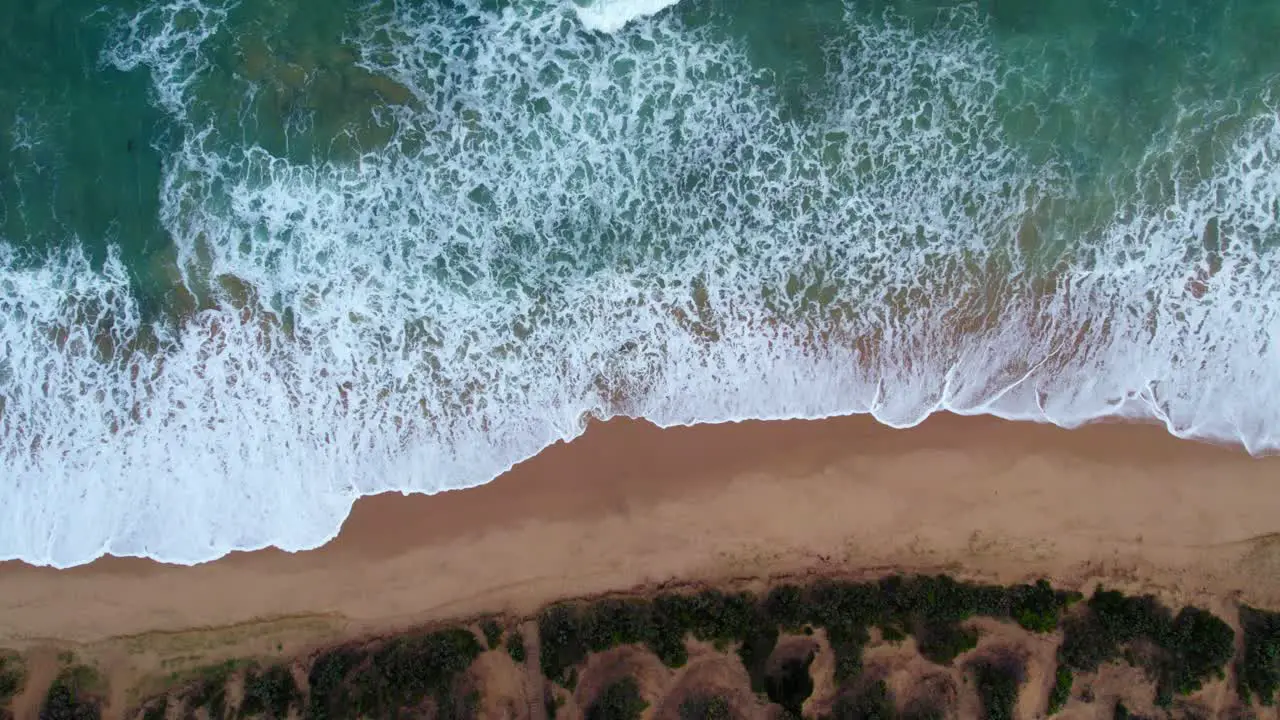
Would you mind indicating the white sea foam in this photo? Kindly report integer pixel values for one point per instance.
(562, 225)
(609, 16)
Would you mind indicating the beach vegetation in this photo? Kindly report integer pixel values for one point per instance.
(609, 623)
(210, 689)
(404, 672)
(1197, 649)
(329, 694)
(271, 693)
(1061, 692)
(791, 684)
(561, 640)
(1180, 652)
(157, 709)
(425, 673)
(74, 695)
(492, 633)
(515, 646)
(1258, 670)
(785, 606)
(872, 701)
(1038, 607)
(12, 677)
(998, 679)
(621, 700)
(706, 707)
(754, 651)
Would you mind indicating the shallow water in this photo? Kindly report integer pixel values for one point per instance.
(258, 259)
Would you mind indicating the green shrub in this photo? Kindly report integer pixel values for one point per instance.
(71, 696)
(998, 680)
(1037, 607)
(271, 692)
(1061, 692)
(931, 608)
(711, 616)
(1085, 644)
(785, 607)
(562, 642)
(409, 668)
(210, 691)
(1125, 618)
(1258, 670)
(871, 702)
(846, 610)
(610, 623)
(942, 642)
(402, 673)
(791, 685)
(619, 701)
(331, 698)
(755, 651)
(705, 707)
(1180, 652)
(492, 633)
(515, 646)
(1197, 647)
(1112, 619)
(11, 678)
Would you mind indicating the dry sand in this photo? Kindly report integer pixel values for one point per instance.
(630, 505)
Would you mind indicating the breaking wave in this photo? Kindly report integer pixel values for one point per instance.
(553, 223)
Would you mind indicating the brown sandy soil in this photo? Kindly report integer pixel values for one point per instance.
(629, 506)
(504, 695)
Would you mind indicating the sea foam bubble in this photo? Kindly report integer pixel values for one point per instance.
(609, 16)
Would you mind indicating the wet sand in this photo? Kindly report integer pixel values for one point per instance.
(630, 505)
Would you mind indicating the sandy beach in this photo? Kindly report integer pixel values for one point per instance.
(630, 506)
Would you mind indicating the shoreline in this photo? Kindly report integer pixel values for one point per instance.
(630, 505)
(630, 508)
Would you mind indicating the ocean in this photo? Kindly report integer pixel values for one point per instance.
(259, 258)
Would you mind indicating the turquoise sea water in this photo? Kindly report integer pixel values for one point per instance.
(259, 258)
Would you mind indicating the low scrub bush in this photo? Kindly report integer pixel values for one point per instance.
(331, 698)
(402, 673)
(754, 653)
(1180, 652)
(1258, 670)
(72, 696)
(271, 692)
(210, 690)
(619, 701)
(562, 642)
(871, 702)
(492, 633)
(11, 678)
(1061, 692)
(791, 685)
(998, 680)
(1197, 648)
(515, 646)
(706, 707)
